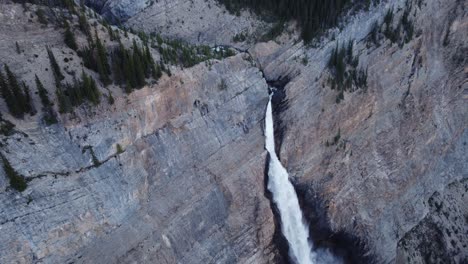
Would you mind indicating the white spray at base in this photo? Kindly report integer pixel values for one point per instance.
(293, 226)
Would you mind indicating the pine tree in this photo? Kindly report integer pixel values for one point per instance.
(16, 181)
(129, 70)
(87, 54)
(313, 16)
(7, 95)
(42, 92)
(83, 24)
(96, 94)
(139, 72)
(64, 104)
(89, 88)
(101, 61)
(153, 69)
(156, 71)
(70, 40)
(49, 114)
(55, 67)
(18, 96)
(117, 68)
(29, 106)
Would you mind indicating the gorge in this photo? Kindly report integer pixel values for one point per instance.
(143, 131)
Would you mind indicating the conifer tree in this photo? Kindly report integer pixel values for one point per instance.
(89, 88)
(49, 114)
(29, 106)
(117, 68)
(96, 95)
(138, 63)
(313, 16)
(18, 95)
(129, 70)
(18, 49)
(17, 182)
(149, 63)
(42, 92)
(7, 95)
(83, 24)
(55, 67)
(63, 101)
(101, 61)
(69, 37)
(156, 71)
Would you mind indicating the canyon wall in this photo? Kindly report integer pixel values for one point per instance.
(381, 175)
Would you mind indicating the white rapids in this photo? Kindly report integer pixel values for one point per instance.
(293, 226)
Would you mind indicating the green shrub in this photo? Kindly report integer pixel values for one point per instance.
(119, 149)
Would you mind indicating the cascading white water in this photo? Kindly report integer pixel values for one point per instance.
(293, 226)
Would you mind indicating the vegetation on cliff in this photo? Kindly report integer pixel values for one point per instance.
(16, 96)
(17, 181)
(313, 16)
(344, 74)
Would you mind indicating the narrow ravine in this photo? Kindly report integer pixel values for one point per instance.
(293, 225)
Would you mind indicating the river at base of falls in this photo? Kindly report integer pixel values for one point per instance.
(293, 225)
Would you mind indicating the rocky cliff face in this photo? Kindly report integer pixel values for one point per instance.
(381, 175)
(373, 161)
(187, 187)
(176, 194)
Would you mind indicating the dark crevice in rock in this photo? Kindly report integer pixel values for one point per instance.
(77, 171)
(348, 247)
(279, 104)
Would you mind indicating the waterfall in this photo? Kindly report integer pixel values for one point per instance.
(293, 226)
